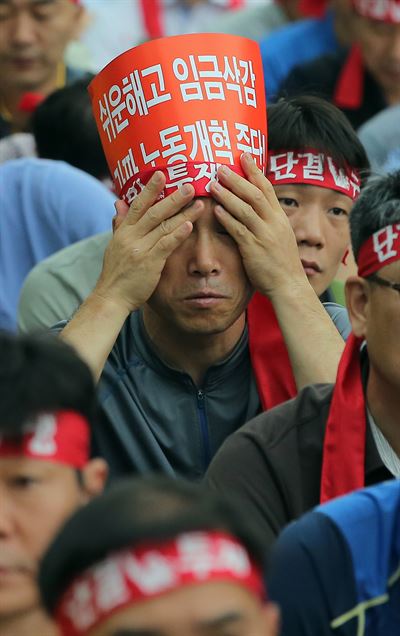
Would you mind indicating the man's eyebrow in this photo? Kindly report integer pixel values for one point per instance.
(220, 621)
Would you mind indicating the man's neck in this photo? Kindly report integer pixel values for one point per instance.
(31, 622)
(192, 353)
(384, 405)
(10, 99)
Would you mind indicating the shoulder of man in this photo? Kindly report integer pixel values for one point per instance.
(56, 286)
(274, 461)
(339, 317)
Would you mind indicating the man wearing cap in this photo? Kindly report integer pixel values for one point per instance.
(47, 404)
(157, 556)
(33, 37)
(365, 79)
(333, 439)
(187, 369)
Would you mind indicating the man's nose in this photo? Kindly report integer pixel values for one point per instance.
(23, 30)
(308, 228)
(204, 259)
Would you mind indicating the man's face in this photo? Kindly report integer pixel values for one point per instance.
(382, 329)
(203, 287)
(33, 37)
(208, 609)
(320, 221)
(36, 497)
(380, 44)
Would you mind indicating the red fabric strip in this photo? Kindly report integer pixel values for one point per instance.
(382, 248)
(152, 18)
(349, 89)
(268, 353)
(344, 444)
(134, 575)
(62, 437)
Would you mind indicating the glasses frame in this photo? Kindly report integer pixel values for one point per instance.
(383, 282)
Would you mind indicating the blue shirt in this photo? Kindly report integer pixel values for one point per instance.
(336, 571)
(44, 206)
(295, 44)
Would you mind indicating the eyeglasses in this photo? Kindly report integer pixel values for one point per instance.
(383, 282)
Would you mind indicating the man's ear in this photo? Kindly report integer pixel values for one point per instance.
(357, 300)
(94, 476)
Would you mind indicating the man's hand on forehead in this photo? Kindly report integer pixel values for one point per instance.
(145, 234)
(250, 212)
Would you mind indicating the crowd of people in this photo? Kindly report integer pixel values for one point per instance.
(199, 318)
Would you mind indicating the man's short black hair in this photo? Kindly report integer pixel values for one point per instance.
(299, 123)
(377, 206)
(38, 375)
(134, 511)
(65, 129)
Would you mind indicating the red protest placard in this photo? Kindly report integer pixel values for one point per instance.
(183, 105)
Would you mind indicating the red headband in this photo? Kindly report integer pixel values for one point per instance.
(382, 10)
(382, 248)
(61, 437)
(134, 575)
(344, 444)
(314, 168)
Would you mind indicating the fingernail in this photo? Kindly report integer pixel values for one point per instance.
(216, 186)
(186, 189)
(157, 177)
(225, 170)
(248, 157)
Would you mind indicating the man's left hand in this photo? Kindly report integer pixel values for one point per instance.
(249, 210)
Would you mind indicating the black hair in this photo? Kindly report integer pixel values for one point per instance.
(377, 206)
(134, 511)
(65, 129)
(39, 374)
(299, 123)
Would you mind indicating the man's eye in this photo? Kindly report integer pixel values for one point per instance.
(22, 482)
(287, 202)
(338, 212)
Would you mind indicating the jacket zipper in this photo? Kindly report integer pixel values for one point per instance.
(203, 428)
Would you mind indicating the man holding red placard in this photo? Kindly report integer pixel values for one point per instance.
(187, 369)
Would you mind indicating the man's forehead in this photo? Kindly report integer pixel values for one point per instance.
(21, 462)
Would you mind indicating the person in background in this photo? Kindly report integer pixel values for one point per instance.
(335, 572)
(380, 137)
(365, 79)
(44, 206)
(157, 556)
(63, 129)
(136, 21)
(33, 37)
(47, 410)
(326, 29)
(257, 20)
(333, 439)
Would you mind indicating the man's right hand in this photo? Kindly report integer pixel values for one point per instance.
(144, 236)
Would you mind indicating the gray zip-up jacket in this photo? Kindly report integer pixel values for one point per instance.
(154, 419)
